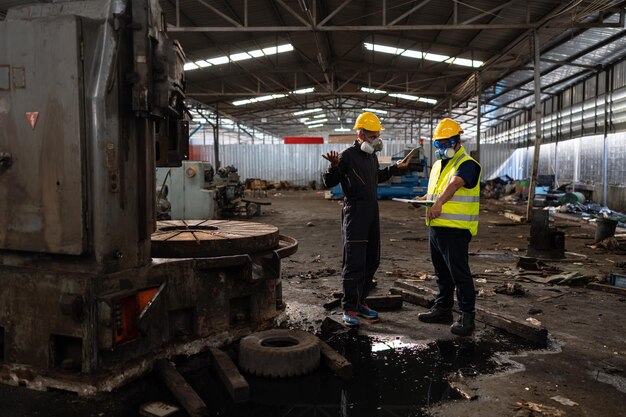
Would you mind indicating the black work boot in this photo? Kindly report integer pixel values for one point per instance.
(464, 326)
(436, 315)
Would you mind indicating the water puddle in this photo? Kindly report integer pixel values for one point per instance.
(393, 377)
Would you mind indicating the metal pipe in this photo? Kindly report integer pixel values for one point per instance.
(538, 116)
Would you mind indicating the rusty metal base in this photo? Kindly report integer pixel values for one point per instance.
(116, 377)
(61, 329)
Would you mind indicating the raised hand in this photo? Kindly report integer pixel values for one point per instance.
(332, 157)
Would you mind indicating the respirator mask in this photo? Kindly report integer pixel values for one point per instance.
(374, 146)
(445, 150)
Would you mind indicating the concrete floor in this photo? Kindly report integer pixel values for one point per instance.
(586, 358)
(584, 362)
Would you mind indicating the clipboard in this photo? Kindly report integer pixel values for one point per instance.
(415, 203)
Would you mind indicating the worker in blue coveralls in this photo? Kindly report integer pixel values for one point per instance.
(454, 186)
(357, 169)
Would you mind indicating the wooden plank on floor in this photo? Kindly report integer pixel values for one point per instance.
(184, 393)
(607, 288)
(335, 361)
(235, 383)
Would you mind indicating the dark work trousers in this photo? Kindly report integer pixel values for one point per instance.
(361, 250)
(449, 252)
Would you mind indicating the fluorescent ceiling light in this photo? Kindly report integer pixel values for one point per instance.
(284, 48)
(202, 63)
(427, 100)
(312, 126)
(301, 112)
(436, 57)
(257, 53)
(262, 98)
(303, 90)
(315, 121)
(270, 51)
(376, 111)
(404, 96)
(219, 60)
(304, 119)
(410, 53)
(240, 56)
(317, 116)
(342, 129)
(372, 90)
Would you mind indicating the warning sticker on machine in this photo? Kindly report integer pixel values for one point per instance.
(32, 118)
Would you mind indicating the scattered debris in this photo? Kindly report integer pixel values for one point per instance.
(158, 409)
(510, 288)
(533, 311)
(533, 264)
(310, 224)
(330, 326)
(564, 401)
(417, 276)
(463, 390)
(486, 293)
(317, 258)
(543, 410)
(515, 217)
(533, 321)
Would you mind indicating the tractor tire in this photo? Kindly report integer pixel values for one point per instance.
(279, 353)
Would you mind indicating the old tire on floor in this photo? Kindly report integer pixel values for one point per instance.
(279, 353)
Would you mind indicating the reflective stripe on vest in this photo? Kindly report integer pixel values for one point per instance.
(461, 211)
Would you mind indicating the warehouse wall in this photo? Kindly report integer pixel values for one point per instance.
(579, 160)
(297, 164)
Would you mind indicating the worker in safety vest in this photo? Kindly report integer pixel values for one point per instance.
(454, 186)
(358, 171)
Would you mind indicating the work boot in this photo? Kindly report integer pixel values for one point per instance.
(464, 326)
(436, 315)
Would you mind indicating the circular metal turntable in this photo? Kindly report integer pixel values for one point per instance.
(209, 238)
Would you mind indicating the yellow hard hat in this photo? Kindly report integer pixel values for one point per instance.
(447, 128)
(368, 121)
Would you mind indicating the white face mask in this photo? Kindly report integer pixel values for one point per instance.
(375, 146)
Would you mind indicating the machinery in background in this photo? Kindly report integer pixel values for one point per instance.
(229, 189)
(194, 191)
(93, 288)
(186, 191)
(412, 184)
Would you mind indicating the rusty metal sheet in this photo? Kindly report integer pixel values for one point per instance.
(41, 114)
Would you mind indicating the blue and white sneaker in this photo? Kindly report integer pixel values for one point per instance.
(366, 312)
(350, 319)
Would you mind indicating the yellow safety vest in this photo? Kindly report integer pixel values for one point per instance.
(461, 211)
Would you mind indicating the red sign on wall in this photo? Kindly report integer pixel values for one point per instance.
(303, 140)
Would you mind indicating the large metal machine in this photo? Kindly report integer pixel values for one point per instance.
(91, 95)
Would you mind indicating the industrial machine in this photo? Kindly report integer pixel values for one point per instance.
(187, 190)
(413, 183)
(92, 289)
(196, 191)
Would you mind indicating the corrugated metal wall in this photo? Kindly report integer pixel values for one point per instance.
(580, 160)
(297, 164)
